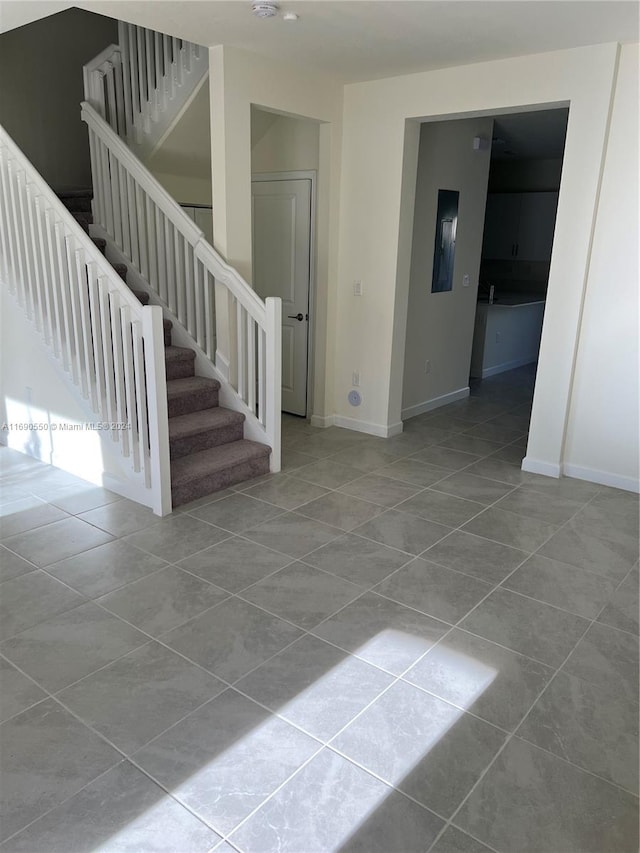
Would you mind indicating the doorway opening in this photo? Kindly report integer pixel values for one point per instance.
(522, 200)
(506, 170)
(285, 162)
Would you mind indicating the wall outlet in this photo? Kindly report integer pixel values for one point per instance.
(465, 280)
(355, 378)
(498, 337)
(427, 366)
(357, 288)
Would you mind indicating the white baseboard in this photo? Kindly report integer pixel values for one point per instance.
(602, 478)
(508, 365)
(381, 430)
(434, 403)
(322, 421)
(538, 466)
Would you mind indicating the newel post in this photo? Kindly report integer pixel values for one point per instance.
(153, 335)
(273, 329)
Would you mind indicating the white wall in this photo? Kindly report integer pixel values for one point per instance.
(238, 81)
(33, 389)
(286, 144)
(440, 325)
(379, 156)
(41, 89)
(186, 189)
(603, 431)
(182, 160)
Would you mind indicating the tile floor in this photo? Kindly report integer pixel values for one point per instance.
(394, 645)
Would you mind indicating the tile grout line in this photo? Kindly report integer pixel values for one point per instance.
(514, 734)
(301, 559)
(124, 756)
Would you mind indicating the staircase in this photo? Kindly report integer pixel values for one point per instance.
(161, 341)
(208, 451)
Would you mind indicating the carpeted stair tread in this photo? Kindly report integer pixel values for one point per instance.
(215, 460)
(100, 243)
(185, 426)
(191, 394)
(189, 434)
(121, 269)
(193, 383)
(178, 353)
(179, 362)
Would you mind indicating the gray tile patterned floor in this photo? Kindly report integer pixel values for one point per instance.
(405, 645)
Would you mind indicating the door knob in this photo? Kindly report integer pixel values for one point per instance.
(299, 317)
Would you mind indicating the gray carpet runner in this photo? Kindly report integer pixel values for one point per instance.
(207, 445)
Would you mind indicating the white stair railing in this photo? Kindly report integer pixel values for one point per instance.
(111, 346)
(184, 271)
(140, 85)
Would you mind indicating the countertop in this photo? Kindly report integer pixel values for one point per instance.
(513, 300)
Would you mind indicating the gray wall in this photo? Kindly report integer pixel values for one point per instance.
(41, 90)
(440, 325)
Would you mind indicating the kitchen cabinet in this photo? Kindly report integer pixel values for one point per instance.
(506, 335)
(519, 226)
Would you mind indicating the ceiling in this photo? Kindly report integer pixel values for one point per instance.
(369, 39)
(530, 136)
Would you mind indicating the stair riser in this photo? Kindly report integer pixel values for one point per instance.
(180, 369)
(185, 404)
(180, 447)
(220, 480)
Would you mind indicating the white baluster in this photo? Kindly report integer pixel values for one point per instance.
(83, 274)
(75, 285)
(64, 286)
(189, 287)
(96, 339)
(241, 352)
(121, 416)
(209, 296)
(49, 318)
(159, 101)
(56, 286)
(5, 228)
(129, 385)
(251, 361)
(199, 276)
(107, 351)
(140, 394)
(18, 268)
(262, 378)
(273, 306)
(36, 264)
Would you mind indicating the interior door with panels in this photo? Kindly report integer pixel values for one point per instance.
(281, 229)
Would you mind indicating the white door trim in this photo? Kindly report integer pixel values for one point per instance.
(310, 175)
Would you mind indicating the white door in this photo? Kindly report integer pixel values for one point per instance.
(281, 223)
